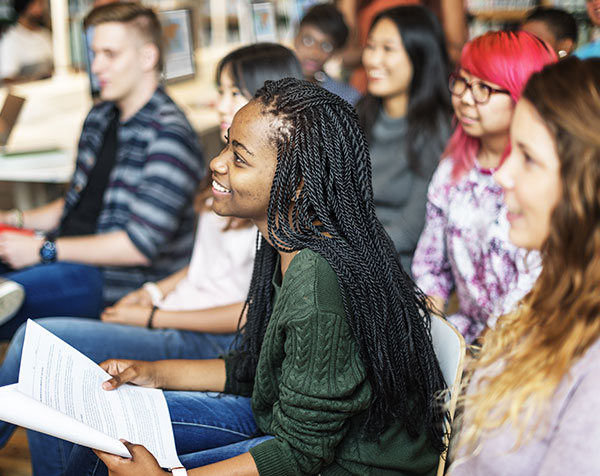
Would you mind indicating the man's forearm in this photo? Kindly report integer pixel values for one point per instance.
(104, 249)
(44, 218)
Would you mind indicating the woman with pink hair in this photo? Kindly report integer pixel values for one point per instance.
(464, 246)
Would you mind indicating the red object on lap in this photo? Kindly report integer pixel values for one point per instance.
(14, 229)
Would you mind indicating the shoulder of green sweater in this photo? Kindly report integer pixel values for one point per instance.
(310, 273)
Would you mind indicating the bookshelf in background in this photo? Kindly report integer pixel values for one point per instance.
(488, 15)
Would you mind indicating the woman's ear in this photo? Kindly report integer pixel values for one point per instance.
(566, 45)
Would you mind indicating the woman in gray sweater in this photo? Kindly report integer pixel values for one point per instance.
(406, 117)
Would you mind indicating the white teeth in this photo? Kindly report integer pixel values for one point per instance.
(376, 74)
(217, 186)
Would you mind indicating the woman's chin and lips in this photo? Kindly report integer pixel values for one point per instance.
(528, 228)
(517, 224)
(469, 120)
(221, 195)
(310, 67)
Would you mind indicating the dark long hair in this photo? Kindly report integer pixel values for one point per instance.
(429, 107)
(252, 65)
(322, 199)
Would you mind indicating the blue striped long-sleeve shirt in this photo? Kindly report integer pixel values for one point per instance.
(150, 190)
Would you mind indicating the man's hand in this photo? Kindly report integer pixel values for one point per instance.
(141, 463)
(132, 315)
(18, 250)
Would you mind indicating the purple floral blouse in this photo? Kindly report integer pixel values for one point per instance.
(465, 248)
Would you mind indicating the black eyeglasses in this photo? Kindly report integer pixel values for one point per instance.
(481, 92)
(308, 41)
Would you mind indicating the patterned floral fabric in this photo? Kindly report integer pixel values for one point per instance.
(465, 248)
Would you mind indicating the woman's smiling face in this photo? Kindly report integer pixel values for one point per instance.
(243, 172)
(388, 66)
(530, 177)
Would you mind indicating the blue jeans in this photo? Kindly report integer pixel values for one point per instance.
(208, 427)
(100, 341)
(55, 289)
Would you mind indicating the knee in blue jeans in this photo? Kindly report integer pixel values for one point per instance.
(84, 462)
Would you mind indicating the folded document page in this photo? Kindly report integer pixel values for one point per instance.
(60, 393)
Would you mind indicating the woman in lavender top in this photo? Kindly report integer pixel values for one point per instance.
(464, 246)
(532, 406)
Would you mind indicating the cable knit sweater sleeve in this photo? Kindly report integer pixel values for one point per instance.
(310, 379)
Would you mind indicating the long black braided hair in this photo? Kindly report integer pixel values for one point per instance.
(322, 199)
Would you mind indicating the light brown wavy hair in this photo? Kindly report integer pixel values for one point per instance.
(560, 317)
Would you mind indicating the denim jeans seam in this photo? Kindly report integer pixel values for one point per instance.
(95, 468)
(220, 428)
(62, 457)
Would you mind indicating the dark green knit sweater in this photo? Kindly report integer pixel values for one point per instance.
(311, 389)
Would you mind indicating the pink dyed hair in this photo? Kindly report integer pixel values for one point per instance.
(507, 58)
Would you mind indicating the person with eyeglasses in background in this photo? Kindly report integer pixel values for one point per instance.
(464, 247)
(321, 34)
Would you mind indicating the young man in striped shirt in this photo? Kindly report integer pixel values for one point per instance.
(127, 217)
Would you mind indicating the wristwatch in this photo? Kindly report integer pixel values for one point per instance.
(48, 251)
(178, 471)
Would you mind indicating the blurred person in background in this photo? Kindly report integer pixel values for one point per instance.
(127, 217)
(406, 117)
(323, 33)
(591, 49)
(555, 26)
(26, 47)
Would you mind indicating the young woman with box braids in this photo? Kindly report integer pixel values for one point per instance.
(335, 371)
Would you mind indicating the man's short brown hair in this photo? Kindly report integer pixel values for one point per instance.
(143, 19)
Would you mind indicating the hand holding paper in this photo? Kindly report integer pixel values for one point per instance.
(60, 393)
(142, 462)
(137, 372)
